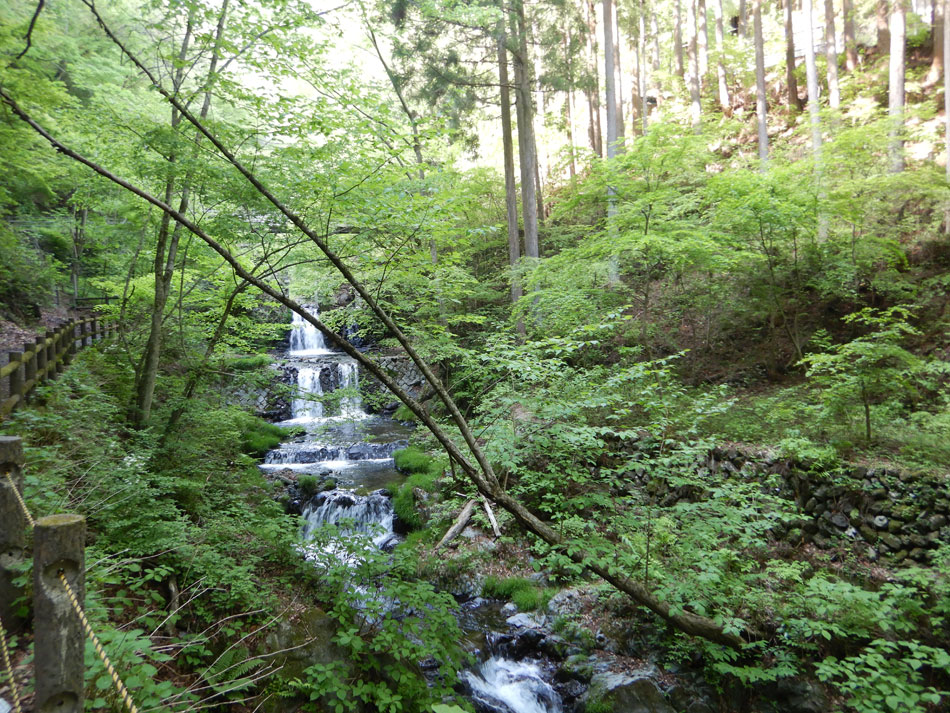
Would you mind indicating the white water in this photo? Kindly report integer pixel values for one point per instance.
(367, 514)
(500, 684)
(305, 339)
(308, 384)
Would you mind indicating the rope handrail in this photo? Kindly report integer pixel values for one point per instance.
(14, 691)
(116, 681)
(19, 499)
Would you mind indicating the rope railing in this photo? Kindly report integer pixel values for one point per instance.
(58, 557)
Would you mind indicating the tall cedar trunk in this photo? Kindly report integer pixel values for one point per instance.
(618, 75)
(480, 472)
(655, 32)
(895, 86)
(527, 150)
(936, 65)
(850, 39)
(720, 60)
(147, 370)
(702, 42)
(741, 24)
(883, 32)
(791, 81)
(569, 100)
(610, 88)
(593, 96)
(761, 105)
(695, 107)
(946, 104)
(643, 76)
(831, 55)
(811, 72)
(678, 40)
(511, 188)
(610, 96)
(636, 91)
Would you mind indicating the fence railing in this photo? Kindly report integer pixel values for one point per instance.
(48, 357)
(60, 626)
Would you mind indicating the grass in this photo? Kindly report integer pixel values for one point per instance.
(249, 363)
(424, 471)
(259, 436)
(525, 594)
(404, 414)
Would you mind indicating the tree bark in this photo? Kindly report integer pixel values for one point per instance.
(695, 106)
(593, 96)
(831, 55)
(811, 71)
(643, 65)
(791, 81)
(882, 11)
(720, 62)
(761, 104)
(946, 105)
(741, 24)
(936, 65)
(895, 86)
(850, 39)
(527, 149)
(618, 74)
(511, 189)
(702, 42)
(610, 90)
(678, 40)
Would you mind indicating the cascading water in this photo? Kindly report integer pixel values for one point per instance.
(355, 449)
(305, 339)
(503, 686)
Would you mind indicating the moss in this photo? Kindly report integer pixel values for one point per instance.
(404, 414)
(526, 595)
(412, 460)
(308, 485)
(259, 436)
(249, 363)
(403, 501)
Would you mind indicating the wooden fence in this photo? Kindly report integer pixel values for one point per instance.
(48, 357)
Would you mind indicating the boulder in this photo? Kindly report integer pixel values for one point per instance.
(622, 693)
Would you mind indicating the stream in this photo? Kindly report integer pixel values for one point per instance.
(341, 440)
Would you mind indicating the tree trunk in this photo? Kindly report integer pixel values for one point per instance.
(946, 105)
(678, 40)
(936, 65)
(895, 86)
(695, 107)
(593, 97)
(527, 150)
(618, 75)
(741, 24)
(643, 65)
(811, 71)
(655, 31)
(791, 82)
(831, 55)
(702, 42)
(720, 62)
(511, 188)
(610, 90)
(761, 105)
(882, 12)
(850, 39)
(568, 101)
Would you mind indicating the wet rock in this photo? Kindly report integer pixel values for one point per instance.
(839, 520)
(800, 696)
(622, 693)
(304, 642)
(526, 621)
(566, 602)
(879, 522)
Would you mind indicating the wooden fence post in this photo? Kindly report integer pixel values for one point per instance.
(71, 346)
(12, 527)
(59, 347)
(59, 639)
(95, 330)
(82, 332)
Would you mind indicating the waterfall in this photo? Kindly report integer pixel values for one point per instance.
(305, 339)
(503, 686)
(366, 514)
(350, 406)
(308, 384)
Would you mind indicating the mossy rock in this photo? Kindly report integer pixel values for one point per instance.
(620, 693)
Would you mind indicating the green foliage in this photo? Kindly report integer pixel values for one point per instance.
(309, 485)
(526, 595)
(259, 436)
(429, 470)
(887, 676)
(250, 363)
(869, 369)
(412, 460)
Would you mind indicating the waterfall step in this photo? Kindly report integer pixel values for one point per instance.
(290, 453)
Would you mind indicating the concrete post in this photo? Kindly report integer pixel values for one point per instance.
(29, 366)
(17, 375)
(41, 359)
(13, 526)
(59, 640)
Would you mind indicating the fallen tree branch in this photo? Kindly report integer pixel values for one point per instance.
(460, 522)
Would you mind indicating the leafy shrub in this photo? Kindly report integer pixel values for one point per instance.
(308, 485)
(259, 436)
(249, 363)
(412, 460)
(404, 502)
